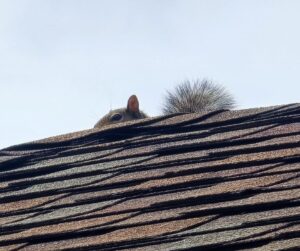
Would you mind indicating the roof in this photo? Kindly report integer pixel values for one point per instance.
(223, 179)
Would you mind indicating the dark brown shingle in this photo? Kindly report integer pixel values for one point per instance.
(224, 180)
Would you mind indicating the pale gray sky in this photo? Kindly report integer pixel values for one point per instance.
(65, 63)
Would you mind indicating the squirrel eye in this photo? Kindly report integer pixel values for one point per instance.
(116, 117)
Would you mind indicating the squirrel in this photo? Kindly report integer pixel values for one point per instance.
(131, 112)
(187, 98)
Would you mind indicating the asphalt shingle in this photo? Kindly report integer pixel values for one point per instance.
(225, 179)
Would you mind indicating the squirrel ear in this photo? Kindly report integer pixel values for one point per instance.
(133, 104)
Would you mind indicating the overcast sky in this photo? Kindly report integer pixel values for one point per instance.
(65, 63)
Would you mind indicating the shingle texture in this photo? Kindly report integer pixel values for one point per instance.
(225, 180)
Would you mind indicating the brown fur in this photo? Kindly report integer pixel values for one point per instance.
(132, 112)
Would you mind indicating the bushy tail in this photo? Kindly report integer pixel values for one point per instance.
(197, 96)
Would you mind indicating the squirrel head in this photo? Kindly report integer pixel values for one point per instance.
(131, 112)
